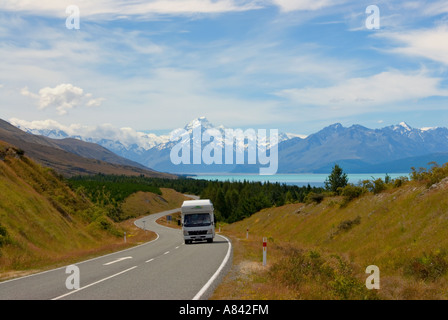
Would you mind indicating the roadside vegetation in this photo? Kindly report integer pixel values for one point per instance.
(320, 249)
(110, 191)
(233, 201)
(44, 223)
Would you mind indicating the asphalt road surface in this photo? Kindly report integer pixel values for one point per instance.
(163, 269)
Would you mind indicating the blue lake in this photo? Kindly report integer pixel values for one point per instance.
(302, 179)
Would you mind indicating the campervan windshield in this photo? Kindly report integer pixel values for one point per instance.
(197, 220)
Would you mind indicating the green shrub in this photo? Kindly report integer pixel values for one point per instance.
(4, 236)
(104, 223)
(375, 186)
(300, 266)
(348, 224)
(330, 276)
(378, 186)
(431, 176)
(400, 181)
(346, 286)
(314, 197)
(19, 152)
(350, 192)
(429, 267)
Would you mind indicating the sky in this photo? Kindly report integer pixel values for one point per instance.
(292, 65)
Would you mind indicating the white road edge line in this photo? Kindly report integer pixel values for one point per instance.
(213, 278)
(92, 284)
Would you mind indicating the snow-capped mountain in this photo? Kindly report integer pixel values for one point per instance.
(50, 133)
(356, 148)
(125, 142)
(148, 149)
(360, 149)
(203, 124)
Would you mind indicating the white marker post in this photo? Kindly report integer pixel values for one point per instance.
(247, 233)
(265, 249)
(125, 237)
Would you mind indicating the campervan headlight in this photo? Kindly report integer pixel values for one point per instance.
(209, 231)
(185, 233)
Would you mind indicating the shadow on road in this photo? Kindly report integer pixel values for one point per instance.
(205, 242)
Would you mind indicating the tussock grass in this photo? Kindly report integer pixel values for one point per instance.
(142, 203)
(45, 224)
(401, 230)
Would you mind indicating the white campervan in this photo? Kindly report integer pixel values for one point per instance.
(198, 220)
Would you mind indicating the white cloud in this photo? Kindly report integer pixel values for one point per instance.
(94, 102)
(428, 43)
(25, 92)
(380, 89)
(143, 8)
(63, 98)
(41, 125)
(435, 8)
(123, 9)
(302, 5)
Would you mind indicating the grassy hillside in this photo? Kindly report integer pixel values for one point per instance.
(43, 222)
(143, 203)
(321, 251)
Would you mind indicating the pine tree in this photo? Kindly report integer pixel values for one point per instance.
(220, 204)
(288, 197)
(337, 179)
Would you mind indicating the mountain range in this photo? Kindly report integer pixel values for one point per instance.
(392, 149)
(70, 156)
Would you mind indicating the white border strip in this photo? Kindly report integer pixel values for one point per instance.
(213, 278)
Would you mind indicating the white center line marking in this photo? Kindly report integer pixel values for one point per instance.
(118, 260)
(149, 260)
(167, 252)
(94, 283)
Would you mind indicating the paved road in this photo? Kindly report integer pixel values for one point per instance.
(163, 269)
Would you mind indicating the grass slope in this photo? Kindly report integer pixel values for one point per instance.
(321, 251)
(143, 203)
(43, 223)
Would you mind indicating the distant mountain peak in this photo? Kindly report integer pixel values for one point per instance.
(336, 125)
(333, 127)
(405, 126)
(200, 121)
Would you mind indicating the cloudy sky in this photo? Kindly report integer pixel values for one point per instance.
(292, 65)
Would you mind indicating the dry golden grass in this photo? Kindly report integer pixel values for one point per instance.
(48, 225)
(142, 203)
(396, 228)
(175, 217)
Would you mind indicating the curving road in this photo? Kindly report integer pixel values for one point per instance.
(163, 269)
